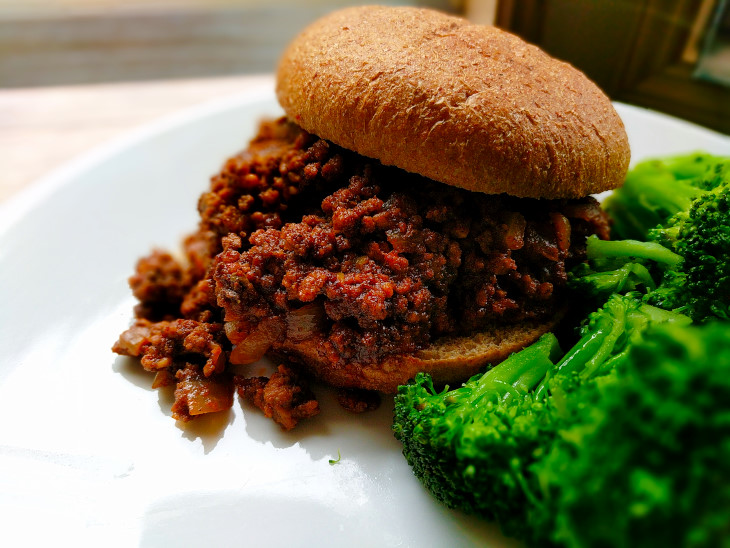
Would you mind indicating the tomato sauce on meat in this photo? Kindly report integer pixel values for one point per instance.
(388, 261)
(299, 237)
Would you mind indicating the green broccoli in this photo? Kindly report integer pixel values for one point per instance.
(450, 436)
(472, 446)
(624, 442)
(685, 265)
(621, 266)
(701, 236)
(645, 457)
(656, 190)
(625, 439)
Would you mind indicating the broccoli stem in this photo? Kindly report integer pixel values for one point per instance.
(519, 373)
(621, 280)
(660, 315)
(598, 249)
(589, 353)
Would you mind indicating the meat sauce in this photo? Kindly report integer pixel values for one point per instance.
(298, 236)
(389, 261)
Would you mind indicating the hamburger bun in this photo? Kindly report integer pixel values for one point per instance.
(449, 360)
(467, 105)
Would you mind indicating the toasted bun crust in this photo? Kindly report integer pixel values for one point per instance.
(449, 361)
(467, 105)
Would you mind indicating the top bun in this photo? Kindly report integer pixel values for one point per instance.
(467, 105)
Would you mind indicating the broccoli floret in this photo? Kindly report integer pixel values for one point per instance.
(685, 265)
(608, 334)
(656, 190)
(625, 439)
(467, 445)
(701, 236)
(671, 294)
(715, 173)
(645, 458)
(472, 446)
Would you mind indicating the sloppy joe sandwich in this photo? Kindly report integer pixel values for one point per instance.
(417, 209)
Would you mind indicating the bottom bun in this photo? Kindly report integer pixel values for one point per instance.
(450, 360)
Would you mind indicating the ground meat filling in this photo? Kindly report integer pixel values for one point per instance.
(187, 355)
(299, 239)
(391, 261)
(160, 283)
(284, 397)
(283, 174)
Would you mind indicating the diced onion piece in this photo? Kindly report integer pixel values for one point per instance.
(561, 224)
(206, 395)
(236, 331)
(304, 322)
(257, 343)
(163, 378)
(130, 342)
(514, 236)
(196, 394)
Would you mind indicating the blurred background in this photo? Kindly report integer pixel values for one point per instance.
(76, 72)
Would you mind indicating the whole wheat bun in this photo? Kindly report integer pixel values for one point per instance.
(467, 105)
(451, 360)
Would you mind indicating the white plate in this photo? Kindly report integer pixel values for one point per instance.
(88, 452)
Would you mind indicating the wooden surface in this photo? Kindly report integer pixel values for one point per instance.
(42, 128)
(82, 41)
(97, 46)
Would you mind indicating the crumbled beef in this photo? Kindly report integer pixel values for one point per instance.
(160, 283)
(355, 400)
(284, 397)
(299, 238)
(198, 394)
(278, 178)
(166, 344)
(200, 249)
(395, 261)
(200, 305)
(186, 354)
